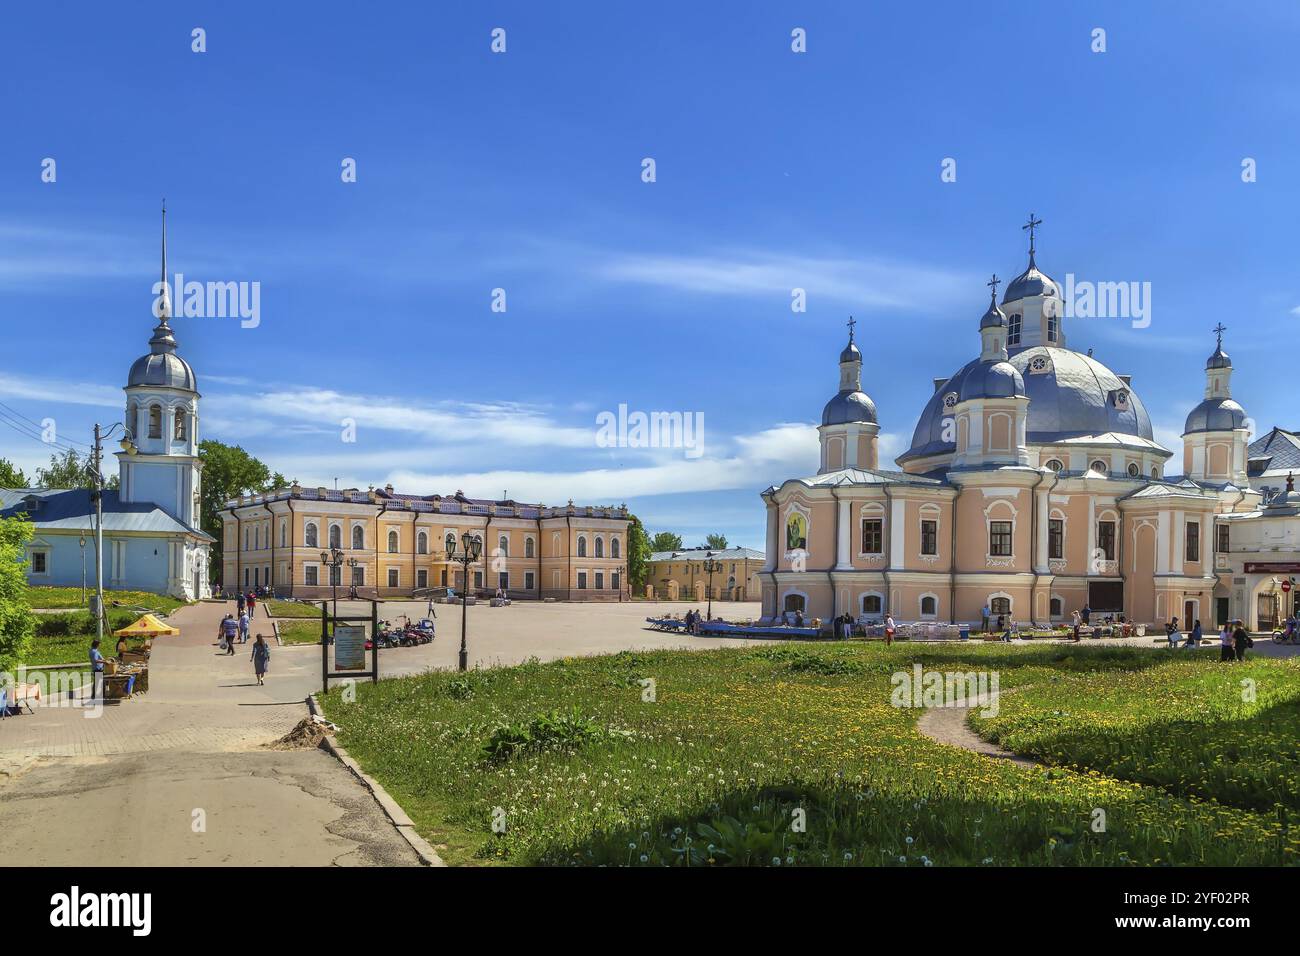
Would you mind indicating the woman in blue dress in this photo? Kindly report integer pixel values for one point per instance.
(261, 659)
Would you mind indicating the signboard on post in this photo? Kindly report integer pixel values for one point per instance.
(349, 647)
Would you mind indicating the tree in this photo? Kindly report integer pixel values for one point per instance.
(11, 476)
(70, 470)
(666, 541)
(16, 621)
(638, 555)
(228, 472)
(716, 542)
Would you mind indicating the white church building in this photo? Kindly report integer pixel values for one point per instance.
(151, 527)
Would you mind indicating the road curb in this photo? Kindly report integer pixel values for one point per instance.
(392, 809)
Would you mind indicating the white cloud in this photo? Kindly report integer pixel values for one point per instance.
(60, 392)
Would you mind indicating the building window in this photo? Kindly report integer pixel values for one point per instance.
(311, 575)
(529, 548)
(422, 543)
(582, 580)
(1133, 469)
(1054, 464)
(929, 536)
(582, 547)
(528, 579)
(284, 533)
(600, 580)
(613, 548)
(393, 577)
(1055, 538)
(422, 578)
(1052, 321)
(871, 604)
(336, 536)
(1055, 607)
(358, 537)
(503, 543)
(615, 582)
(1221, 543)
(478, 579)
(600, 547)
(1099, 467)
(1193, 541)
(1013, 330)
(179, 432)
(392, 540)
(1000, 539)
(312, 535)
(873, 536)
(358, 576)
(1155, 471)
(1000, 606)
(155, 421)
(503, 580)
(449, 543)
(1106, 539)
(929, 604)
(39, 565)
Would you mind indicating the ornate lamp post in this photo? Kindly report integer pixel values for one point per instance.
(622, 572)
(97, 493)
(711, 567)
(352, 584)
(333, 559)
(471, 548)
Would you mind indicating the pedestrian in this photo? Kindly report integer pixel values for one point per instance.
(798, 617)
(96, 671)
(243, 629)
(252, 604)
(1194, 638)
(1172, 633)
(241, 601)
(1240, 641)
(1078, 622)
(121, 646)
(984, 618)
(261, 659)
(889, 629)
(1225, 644)
(1087, 613)
(226, 631)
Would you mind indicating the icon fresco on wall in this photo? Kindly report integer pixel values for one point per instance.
(796, 532)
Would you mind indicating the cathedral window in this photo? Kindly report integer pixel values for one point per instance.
(1133, 469)
(929, 605)
(1193, 541)
(1055, 538)
(503, 545)
(871, 604)
(336, 536)
(1052, 321)
(1221, 539)
(1099, 467)
(929, 539)
(1054, 464)
(311, 534)
(358, 537)
(600, 547)
(1106, 539)
(873, 537)
(1000, 539)
(155, 421)
(178, 432)
(1013, 330)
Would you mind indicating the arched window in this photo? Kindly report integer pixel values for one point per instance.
(179, 433)
(1000, 605)
(1155, 471)
(600, 547)
(794, 602)
(929, 605)
(336, 536)
(358, 537)
(284, 533)
(392, 540)
(613, 547)
(871, 604)
(312, 533)
(257, 538)
(422, 543)
(449, 543)
(582, 546)
(155, 421)
(529, 548)
(503, 545)
(1056, 607)
(245, 539)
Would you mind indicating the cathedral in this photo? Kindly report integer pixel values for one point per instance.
(151, 530)
(1033, 487)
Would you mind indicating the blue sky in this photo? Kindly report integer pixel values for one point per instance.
(522, 171)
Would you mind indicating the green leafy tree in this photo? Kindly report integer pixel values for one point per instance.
(638, 555)
(11, 476)
(716, 542)
(70, 470)
(16, 621)
(228, 472)
(666, 541)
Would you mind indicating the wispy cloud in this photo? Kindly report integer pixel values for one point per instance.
(56, 392)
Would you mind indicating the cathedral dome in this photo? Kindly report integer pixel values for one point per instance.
(1070, 395)
(993, 380)
(162, 369)
(849, 407)
(994, 318)
(850, 353)
(1215, 415)
(1219, 359)
(1030, 282)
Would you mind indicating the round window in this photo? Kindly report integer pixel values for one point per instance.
(1133, 469)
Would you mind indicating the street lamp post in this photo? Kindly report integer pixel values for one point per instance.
(83, 570)
(352, 585)
(333, 559)
(96, 458)
(471, 547)
(711, 567)
(622, 579)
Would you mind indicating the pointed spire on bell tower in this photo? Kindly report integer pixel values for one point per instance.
(163, 340)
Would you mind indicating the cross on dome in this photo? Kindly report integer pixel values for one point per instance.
(1031, 226)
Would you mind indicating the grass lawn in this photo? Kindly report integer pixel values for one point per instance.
(40, 597)
(299, 632)
(294, 609)
(793, 754)
(72, 648)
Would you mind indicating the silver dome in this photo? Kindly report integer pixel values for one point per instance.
(849, 407)
(1215, 415)
(1070, 395)
(165, 369)
(850, 353)
(992, 380)
(994, 318)
(1219, 359)
(1030, 282)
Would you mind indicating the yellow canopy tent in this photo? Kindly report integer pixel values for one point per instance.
(147, 626)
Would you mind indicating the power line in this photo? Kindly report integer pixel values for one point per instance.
(37, 425)
(26, 432)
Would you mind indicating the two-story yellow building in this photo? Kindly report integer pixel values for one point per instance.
(681, 575)
(399, 545)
